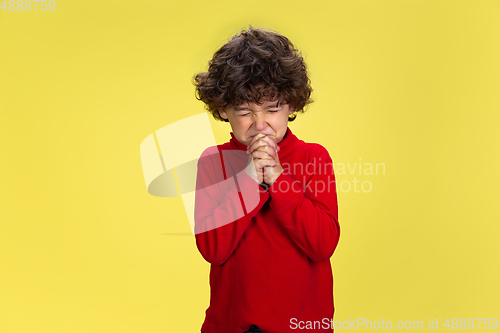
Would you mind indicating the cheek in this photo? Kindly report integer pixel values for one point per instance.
(240, 123)
(282, 121)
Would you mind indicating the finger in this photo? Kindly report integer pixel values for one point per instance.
(263, 141)
(264, 153)
(267, 150)
(255, 138)
(260, 136)
(272, 142)
(260, 175)
(258, 141)
(262, 163)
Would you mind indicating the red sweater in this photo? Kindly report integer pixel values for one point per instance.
(269, 250)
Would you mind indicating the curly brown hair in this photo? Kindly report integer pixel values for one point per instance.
(256, 65)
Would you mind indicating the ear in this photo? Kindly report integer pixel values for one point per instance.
(291, 110)
(223, 113)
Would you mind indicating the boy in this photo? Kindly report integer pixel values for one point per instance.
(266, 213)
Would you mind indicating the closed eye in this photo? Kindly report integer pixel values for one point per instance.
(246, 114)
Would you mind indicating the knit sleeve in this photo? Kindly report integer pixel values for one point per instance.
(309, 213)
(225, 203)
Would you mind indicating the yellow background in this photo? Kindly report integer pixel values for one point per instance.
(411, 84)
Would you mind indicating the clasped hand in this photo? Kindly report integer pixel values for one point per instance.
(266, 166)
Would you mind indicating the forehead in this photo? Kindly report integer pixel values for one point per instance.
(264, 103)
(254, 106)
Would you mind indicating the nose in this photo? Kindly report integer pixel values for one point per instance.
(260, 122)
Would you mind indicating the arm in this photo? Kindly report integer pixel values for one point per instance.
(224, 206)
(310, 214)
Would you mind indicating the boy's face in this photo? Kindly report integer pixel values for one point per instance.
(250, 119)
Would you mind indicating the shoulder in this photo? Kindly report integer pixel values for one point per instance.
(311, 150)
(214, 149)
(209, 155)
(212, 154)
(317, 148)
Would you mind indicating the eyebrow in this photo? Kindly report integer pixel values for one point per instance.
(238, 108)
